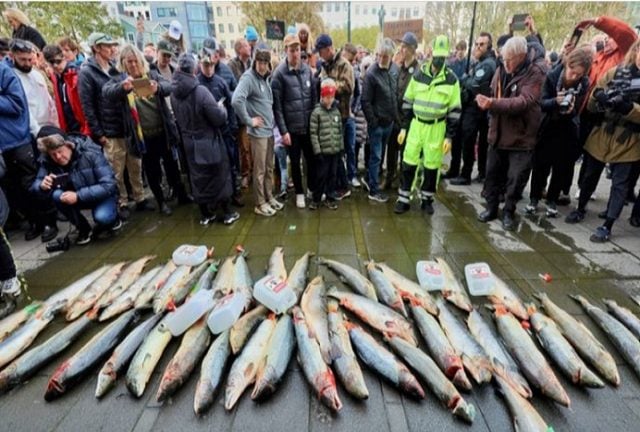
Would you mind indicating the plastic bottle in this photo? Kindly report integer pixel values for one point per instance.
(430, 275)
(274, 293)
(190, 255)
(480, 279)
(226, 312)
(191, 311)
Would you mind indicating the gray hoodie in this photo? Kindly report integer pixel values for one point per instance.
(253, 98)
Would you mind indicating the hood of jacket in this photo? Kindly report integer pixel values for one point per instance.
(184, 84)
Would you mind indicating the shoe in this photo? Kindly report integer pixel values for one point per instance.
(165, 209)
(117, 226)
(340, 195)
(563, 200)
(83, 238)
(355, 182)
(49, 233)
(602, 214)
(575, 216)
(460, 181)
(427, 206)
(264, 210)
(236, 201)
(144, 205)
(33, 232)
(364, 184)
(401, 207)
(309, 195)
(230, 218)
(479, 179)
(532, 207)
(634, 221)
(313, 205)
(11, 287)
(601, 235)
(300, 201)
(282, 195)
(331, 205)
(450, 175)
(379, 197)
(552, 210)
(207, 220)
(61, 217)
(487, 216)
(124, 212)
(508, 221)
(275, 204)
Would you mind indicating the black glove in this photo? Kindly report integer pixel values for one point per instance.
(600, 96)
(622, 106)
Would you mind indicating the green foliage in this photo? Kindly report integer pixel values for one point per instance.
(365, 36)
(290, 12)
(58, 19)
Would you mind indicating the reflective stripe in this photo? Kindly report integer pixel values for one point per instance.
(403, 200)
(402, 192)
(428, 115)
(453, 115)
(430, 104)
(426, 195)
(407, 106)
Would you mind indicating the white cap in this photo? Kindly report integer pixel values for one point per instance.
(175, 29)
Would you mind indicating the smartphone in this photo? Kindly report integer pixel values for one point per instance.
(517, 23)
(60, 181)
(575, 37)
(142, 87)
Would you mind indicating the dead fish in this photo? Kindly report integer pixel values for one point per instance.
(351, 277)
(530, 360)
(89, 296)
(560, 350)
(211, 373)
(379, 359)
(276, 264)
(625, 316)
(9, 324)
(297, 280)
(314, 306)
(23, 337)
(387, 293)
(69, 294)
(318, 374)
(149, 291)
(454, 292)
(127, 300)
(408, 289)
(123, 282)
(582, 340)
(503, 295)
(343, 358)
(242, 329)
(378, 316)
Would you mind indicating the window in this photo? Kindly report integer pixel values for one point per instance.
(196, 12)
(394, 12)
(365, 10)
(416, 12)
(198, 29)
(228, 10)
(328, 7)
(374, 11)
(321, 8)
(230, 28)
(130, 37)
(172, 12)
(220, 28)
(161, 12)
(337, 7)
(219, 11)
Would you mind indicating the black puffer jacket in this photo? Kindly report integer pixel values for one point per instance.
(4, 205)
(30, 34)
(294, 96)
(379, 95)
(104, 118)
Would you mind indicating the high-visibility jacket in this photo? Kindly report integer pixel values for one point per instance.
(431, 110)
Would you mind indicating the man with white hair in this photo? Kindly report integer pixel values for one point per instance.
(515, 117)
(379, 103)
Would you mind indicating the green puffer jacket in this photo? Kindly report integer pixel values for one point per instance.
(326, 130)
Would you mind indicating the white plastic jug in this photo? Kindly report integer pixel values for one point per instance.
(274, 293)
(190, 255)
(191, 311)
(430, 275)
(226, 312)
(480, 279)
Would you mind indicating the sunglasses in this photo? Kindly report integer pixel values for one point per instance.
(56, 61)
(20, 45)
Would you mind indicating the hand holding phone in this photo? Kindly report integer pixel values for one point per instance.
(518, 22)
(60, 181)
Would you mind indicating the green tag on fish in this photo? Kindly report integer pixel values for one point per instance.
(32, 308)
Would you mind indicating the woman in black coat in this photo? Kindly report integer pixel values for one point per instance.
(21, 28)
(200, 121)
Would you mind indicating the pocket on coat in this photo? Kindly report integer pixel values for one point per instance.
(206, 151)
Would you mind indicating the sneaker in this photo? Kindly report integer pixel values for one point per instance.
(364, 184)
(575, 216)
(165, 209)
(282, 195)
(309, 194)
(83, 238)
(342, 194)
(230, 218)
(300, 201)
(601, 235)
(552, 210)
(10, 287)
(532, 207)
(313, 205)
(577, 194)
(275, 204)
(379, 197)
(355, 182)
(331, 205)
(564, 200)
(264, 210)
(116, 226)
(207, 220)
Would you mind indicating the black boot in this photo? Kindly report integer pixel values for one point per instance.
(427, 205)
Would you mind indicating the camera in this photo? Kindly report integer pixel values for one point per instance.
(567, 101)
(620, 89)
(59, 244)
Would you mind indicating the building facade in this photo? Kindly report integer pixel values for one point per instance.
(229, 24)
(196, 19)
(367, 14)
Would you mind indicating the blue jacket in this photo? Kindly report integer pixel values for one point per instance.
(225, 72)
(90, 175)
(220, 89)
(14, 110)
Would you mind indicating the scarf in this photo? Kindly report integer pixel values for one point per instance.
(131, 98)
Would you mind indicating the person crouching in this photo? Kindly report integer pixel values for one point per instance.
(326, 139)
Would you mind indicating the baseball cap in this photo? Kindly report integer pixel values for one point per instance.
(291, 39)
(98, 38)
(410, 39)
(441, 46)
(210, 45)
(323, 41)
(165, 47)
(251, 34)
(175, 29)
(187, 63)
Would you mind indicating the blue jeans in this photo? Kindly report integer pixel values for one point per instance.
(378, 137)
(104, 213)
(281, 163)
(349, 132)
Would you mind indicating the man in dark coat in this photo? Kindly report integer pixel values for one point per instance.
(200, 120)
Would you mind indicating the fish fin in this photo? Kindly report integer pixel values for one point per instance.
(525, 324)
(500, 309)
(349, 325)
(578, 298)
(531, 308)
(171, 306)
(249, 370)
(332, 306)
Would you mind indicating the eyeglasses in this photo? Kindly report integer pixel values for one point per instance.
(56, 61)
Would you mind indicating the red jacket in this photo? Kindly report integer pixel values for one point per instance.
(70, 77)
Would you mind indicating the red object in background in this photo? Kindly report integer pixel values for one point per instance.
(545, 277)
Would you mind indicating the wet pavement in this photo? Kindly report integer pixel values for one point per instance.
(357, 231)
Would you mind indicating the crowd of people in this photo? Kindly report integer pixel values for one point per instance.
(87, 132)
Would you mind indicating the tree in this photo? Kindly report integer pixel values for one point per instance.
(74, 19)
(365, 36)
(290, 12)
